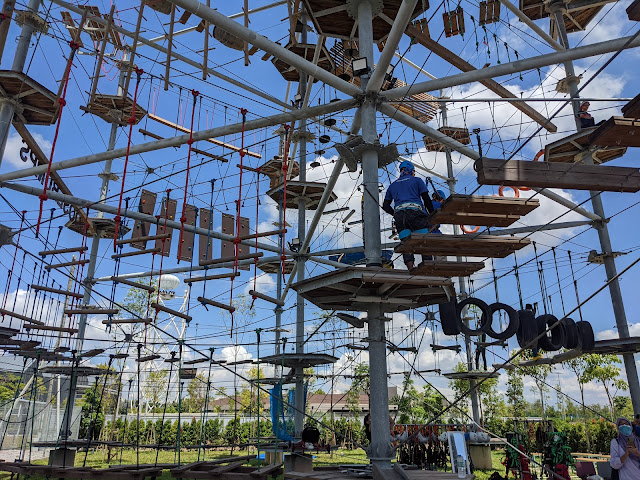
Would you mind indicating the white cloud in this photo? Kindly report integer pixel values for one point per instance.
(12, 154)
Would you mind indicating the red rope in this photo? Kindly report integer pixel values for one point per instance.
(236, 240)
(285, 168)
(183, 218)
(62, 102)
(132, 120)
(13, 263)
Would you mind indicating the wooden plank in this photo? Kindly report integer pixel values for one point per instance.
(218, 276)
(146, 205)
(124, 241)
(205, 241)
(262, 296)
(141, 286)
(119, 321)
(59, 291)
(186, 252)
(557, 175)
(168, 212)
(66, 264)
(447, 269)
(633, 11)
(91, 311)
(58, 251)
(461, 245)
(464, 66)
(35, 326)
(133, 254)
(228, 227)
(19, 316)
(617, 132)
(632, 109)
(489, 204)
(268, 470)
(182, 129)
(170, 311)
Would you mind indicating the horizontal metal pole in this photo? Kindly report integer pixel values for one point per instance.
(134, 214)
(512, 67)
(338, 251)
(183, 139)
(177, 56)
(529, 99)
(425, 169)
(413, 65)
(537, 228)
(234, 28)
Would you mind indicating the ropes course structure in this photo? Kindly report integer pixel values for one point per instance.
(146, 356)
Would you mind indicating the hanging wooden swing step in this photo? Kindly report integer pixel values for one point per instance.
(50, 328)
(557, 175)
(141, 286)
(170, 311)
(444, 268)
(91, 311)
(66, 264)
(59, 291)
(58, 251)
(489, 12)
(453, 22)
(482, 210)
(19, 317)
(126, 321)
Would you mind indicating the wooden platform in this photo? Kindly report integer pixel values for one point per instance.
(557, 175)
(226, 468)
(474, 375)
(310, 191)
(306, 51)
(273, 169)
(80, 473)
(341, 473)
(632, 109)
(355, 288)
(304, 360)
(39, 106)
(461, 245)
(459, 134)
(617, 132)
(105, 227)
(447, 269)
(331, 18)
(276, 268)
(482, 210)
(115, 108)
(573, 148)
(575, 18)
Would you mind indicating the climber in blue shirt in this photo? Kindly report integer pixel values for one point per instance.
(411, 203)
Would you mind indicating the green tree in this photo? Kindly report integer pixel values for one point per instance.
(515, 393)
(604, 370)
(136, 300)
(410, 403)
(156, 387)
(578, 366)
(196, 393)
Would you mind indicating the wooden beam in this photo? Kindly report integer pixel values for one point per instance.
(175, 313)
(464, 66)
(141, 286)
(205, 53)
(133, 254)
(33, 326)
(58, 251)
(134, 44)
(182, 129)
(211, 277)
(242, 256)
(91, 311)
(59, 291)
(66, 264)
(213, 303)
(20, 317)
(262, 296)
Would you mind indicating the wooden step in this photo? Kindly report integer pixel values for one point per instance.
(57, 251)
(461, 245)
(133, 254)
(20, 317)
(486, 204)
(66, 264)
(480, 219)
(121, 321)
(91, 311)
(557, 175)
(141, 286)
(242, 256)
(170, 311)
(50, 328)
(617, 132)
(445, 268)
(218, 276)
(213, 303)
(59, 291)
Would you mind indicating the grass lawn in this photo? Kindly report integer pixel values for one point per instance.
(338, 457)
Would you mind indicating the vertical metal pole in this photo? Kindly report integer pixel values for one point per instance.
(601, 227)
(380, 450)
(302, 219)
(7, 107)
(451, 182)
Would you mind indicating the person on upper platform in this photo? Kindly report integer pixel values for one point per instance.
(411, 204)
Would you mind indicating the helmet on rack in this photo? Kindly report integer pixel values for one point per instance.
(408, 166)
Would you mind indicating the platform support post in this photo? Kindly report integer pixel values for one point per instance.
(380, 450)
(601, 227)
(7, 107)
(451, 183)
(301, 260)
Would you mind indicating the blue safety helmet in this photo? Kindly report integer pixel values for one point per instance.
(441, 193)
(408, 166)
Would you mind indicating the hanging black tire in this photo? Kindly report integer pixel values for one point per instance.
(527, 329)
(485, 318)
(554, 339)
(585, 333)
(572, 337)
(514, 322)
(449, 318)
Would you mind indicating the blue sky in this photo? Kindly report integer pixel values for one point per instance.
(502, 126)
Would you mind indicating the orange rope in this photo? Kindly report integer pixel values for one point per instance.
(183, 218)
